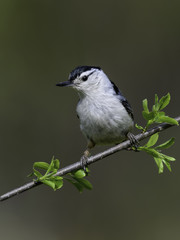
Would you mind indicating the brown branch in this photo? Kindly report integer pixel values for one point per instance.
(92, 159)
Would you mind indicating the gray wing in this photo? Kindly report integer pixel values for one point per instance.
(128, 108)
(123, 100)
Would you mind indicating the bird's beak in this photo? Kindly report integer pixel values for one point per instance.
(64, 84)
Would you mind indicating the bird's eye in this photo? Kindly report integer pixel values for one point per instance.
(84, 78)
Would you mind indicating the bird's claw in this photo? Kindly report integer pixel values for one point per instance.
(134, 142)
(84, 164)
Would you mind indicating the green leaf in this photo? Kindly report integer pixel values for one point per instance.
(159, 164)
(79, 186)
(167, 119)
(159, 114)
(58, 182)
(167, 165)
(49, 183)
(79, 174)
(58, 178)
(51, 166)
(85, 183)
(148, 116)
(164, 101)
(41, 165)
(149, 122)
(145, 105)
(37, 174)
(156, 106)
(150, 151)
(48, 175)
(167, 144)
(153, 139)
(76, 184)
(56, 164)
(154, 109)
(167, 158)
(55, 182)
(139, 127)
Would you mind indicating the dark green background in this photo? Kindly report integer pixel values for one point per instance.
(137, 43)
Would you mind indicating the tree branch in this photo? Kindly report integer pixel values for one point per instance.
(92, 159)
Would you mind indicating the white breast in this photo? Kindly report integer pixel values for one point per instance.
(103, 119)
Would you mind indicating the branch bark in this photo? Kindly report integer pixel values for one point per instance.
(77, 165)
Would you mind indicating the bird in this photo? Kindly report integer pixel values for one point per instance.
(105, 115)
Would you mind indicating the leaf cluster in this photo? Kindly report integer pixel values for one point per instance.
(78, 180)
(56, 182)
(156, 115)
(48, 178)
(160, 158)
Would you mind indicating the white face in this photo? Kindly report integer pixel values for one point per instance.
(91, 82)
(87, 81)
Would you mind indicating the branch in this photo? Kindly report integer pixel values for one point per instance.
(77, 165)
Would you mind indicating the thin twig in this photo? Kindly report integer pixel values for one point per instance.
(92, 159)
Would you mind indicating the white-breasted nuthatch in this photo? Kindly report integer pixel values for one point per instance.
(105, 115)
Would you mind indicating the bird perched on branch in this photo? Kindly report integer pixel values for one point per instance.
(105, 115)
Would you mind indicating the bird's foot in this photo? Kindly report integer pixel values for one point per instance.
(84, 160)
(134, 142)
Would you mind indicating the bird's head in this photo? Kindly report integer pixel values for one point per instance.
(86, 79)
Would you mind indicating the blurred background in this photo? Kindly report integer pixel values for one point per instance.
(137, 44)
